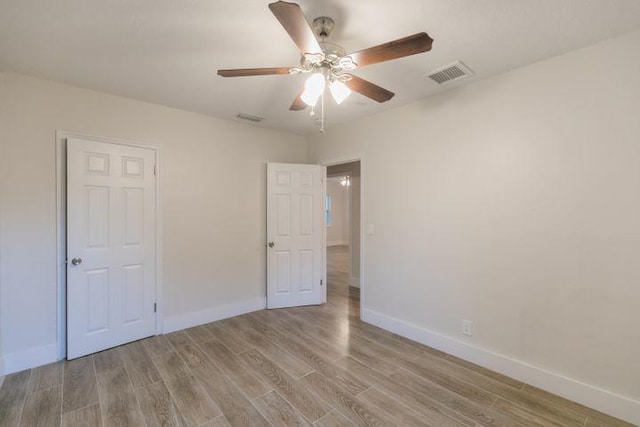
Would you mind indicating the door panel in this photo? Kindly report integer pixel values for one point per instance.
(111, 216)
(295, 232)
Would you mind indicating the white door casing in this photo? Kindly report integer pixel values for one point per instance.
(111, 220)
(295, 235)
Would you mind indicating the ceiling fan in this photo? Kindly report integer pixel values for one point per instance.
(328, 63)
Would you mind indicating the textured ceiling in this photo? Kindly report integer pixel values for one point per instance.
(168, 51)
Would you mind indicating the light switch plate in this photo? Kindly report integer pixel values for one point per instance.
(371, 229)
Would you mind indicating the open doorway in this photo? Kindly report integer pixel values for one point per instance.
(342, 214)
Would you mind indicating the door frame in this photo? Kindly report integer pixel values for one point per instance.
(61, 231)
(358, 157)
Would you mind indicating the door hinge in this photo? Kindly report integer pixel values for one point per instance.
(320, 282)
(155, 169)
(155, 307)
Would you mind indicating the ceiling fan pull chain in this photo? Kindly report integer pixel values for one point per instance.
(322, 114)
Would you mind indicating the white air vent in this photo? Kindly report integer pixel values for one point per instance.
(250, 118)
(450, 73)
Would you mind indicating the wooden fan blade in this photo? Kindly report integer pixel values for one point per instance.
(294, 22)
(298, 104)
(368, 89)
(241, 72)
(407, 46)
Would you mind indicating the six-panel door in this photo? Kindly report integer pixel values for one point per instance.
(295, 235)
(111, 220)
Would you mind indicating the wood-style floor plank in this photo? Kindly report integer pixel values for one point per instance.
(319, 329)
(453, 384)
(326, 348)
(236, 369)
(193, 357)
(12, 397)
(481, 413)
(171, 365)
(479, 369)
(118, 403)
(199, 334)
(594, 417)
(287, 361)
(278, 411)
(89, 416)
(158, 407)
(139, 364)
(46, 376)
(80, 387)
(317, 361)
(395, 411)
(192, 401)
(107, 360)
(522, 415)
(228, 336)
(226, 395)
(157, 345)
(247, 417)
(342, 400)
(179, 338)
(220, 421)
(434, 412)
(334, 419)
(296, 393)
(43, 408)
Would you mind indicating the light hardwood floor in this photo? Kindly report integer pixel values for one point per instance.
(292, 367)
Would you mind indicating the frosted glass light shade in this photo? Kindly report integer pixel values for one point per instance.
(339, 91)
(313, 88)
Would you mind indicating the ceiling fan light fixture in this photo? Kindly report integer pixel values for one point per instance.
(339, 91)
(313, 88)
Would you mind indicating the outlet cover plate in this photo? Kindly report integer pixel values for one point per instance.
(467, 328)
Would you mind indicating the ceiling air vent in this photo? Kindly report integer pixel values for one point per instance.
(250, 118)
(450, 73)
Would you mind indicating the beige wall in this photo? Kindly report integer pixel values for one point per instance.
(513, 202)
(213, 203)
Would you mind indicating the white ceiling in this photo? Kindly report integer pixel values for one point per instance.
(168, 51)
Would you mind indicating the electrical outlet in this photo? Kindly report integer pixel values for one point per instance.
(467, 328)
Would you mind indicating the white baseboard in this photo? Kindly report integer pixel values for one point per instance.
(354, 281)
(27, 359)
(183, 321)
(602, 400)
(338, 243)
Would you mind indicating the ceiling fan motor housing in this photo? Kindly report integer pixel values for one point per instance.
(323, 26)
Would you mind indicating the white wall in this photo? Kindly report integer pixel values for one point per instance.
(354, 239)
(338, 231)
(213, 204)
(513, 202)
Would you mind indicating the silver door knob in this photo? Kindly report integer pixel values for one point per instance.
(271, 244)
(76, 261)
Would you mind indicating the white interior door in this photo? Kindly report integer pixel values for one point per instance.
(111, 220)
(296, 242)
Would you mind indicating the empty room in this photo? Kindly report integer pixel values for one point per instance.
(319, 213)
